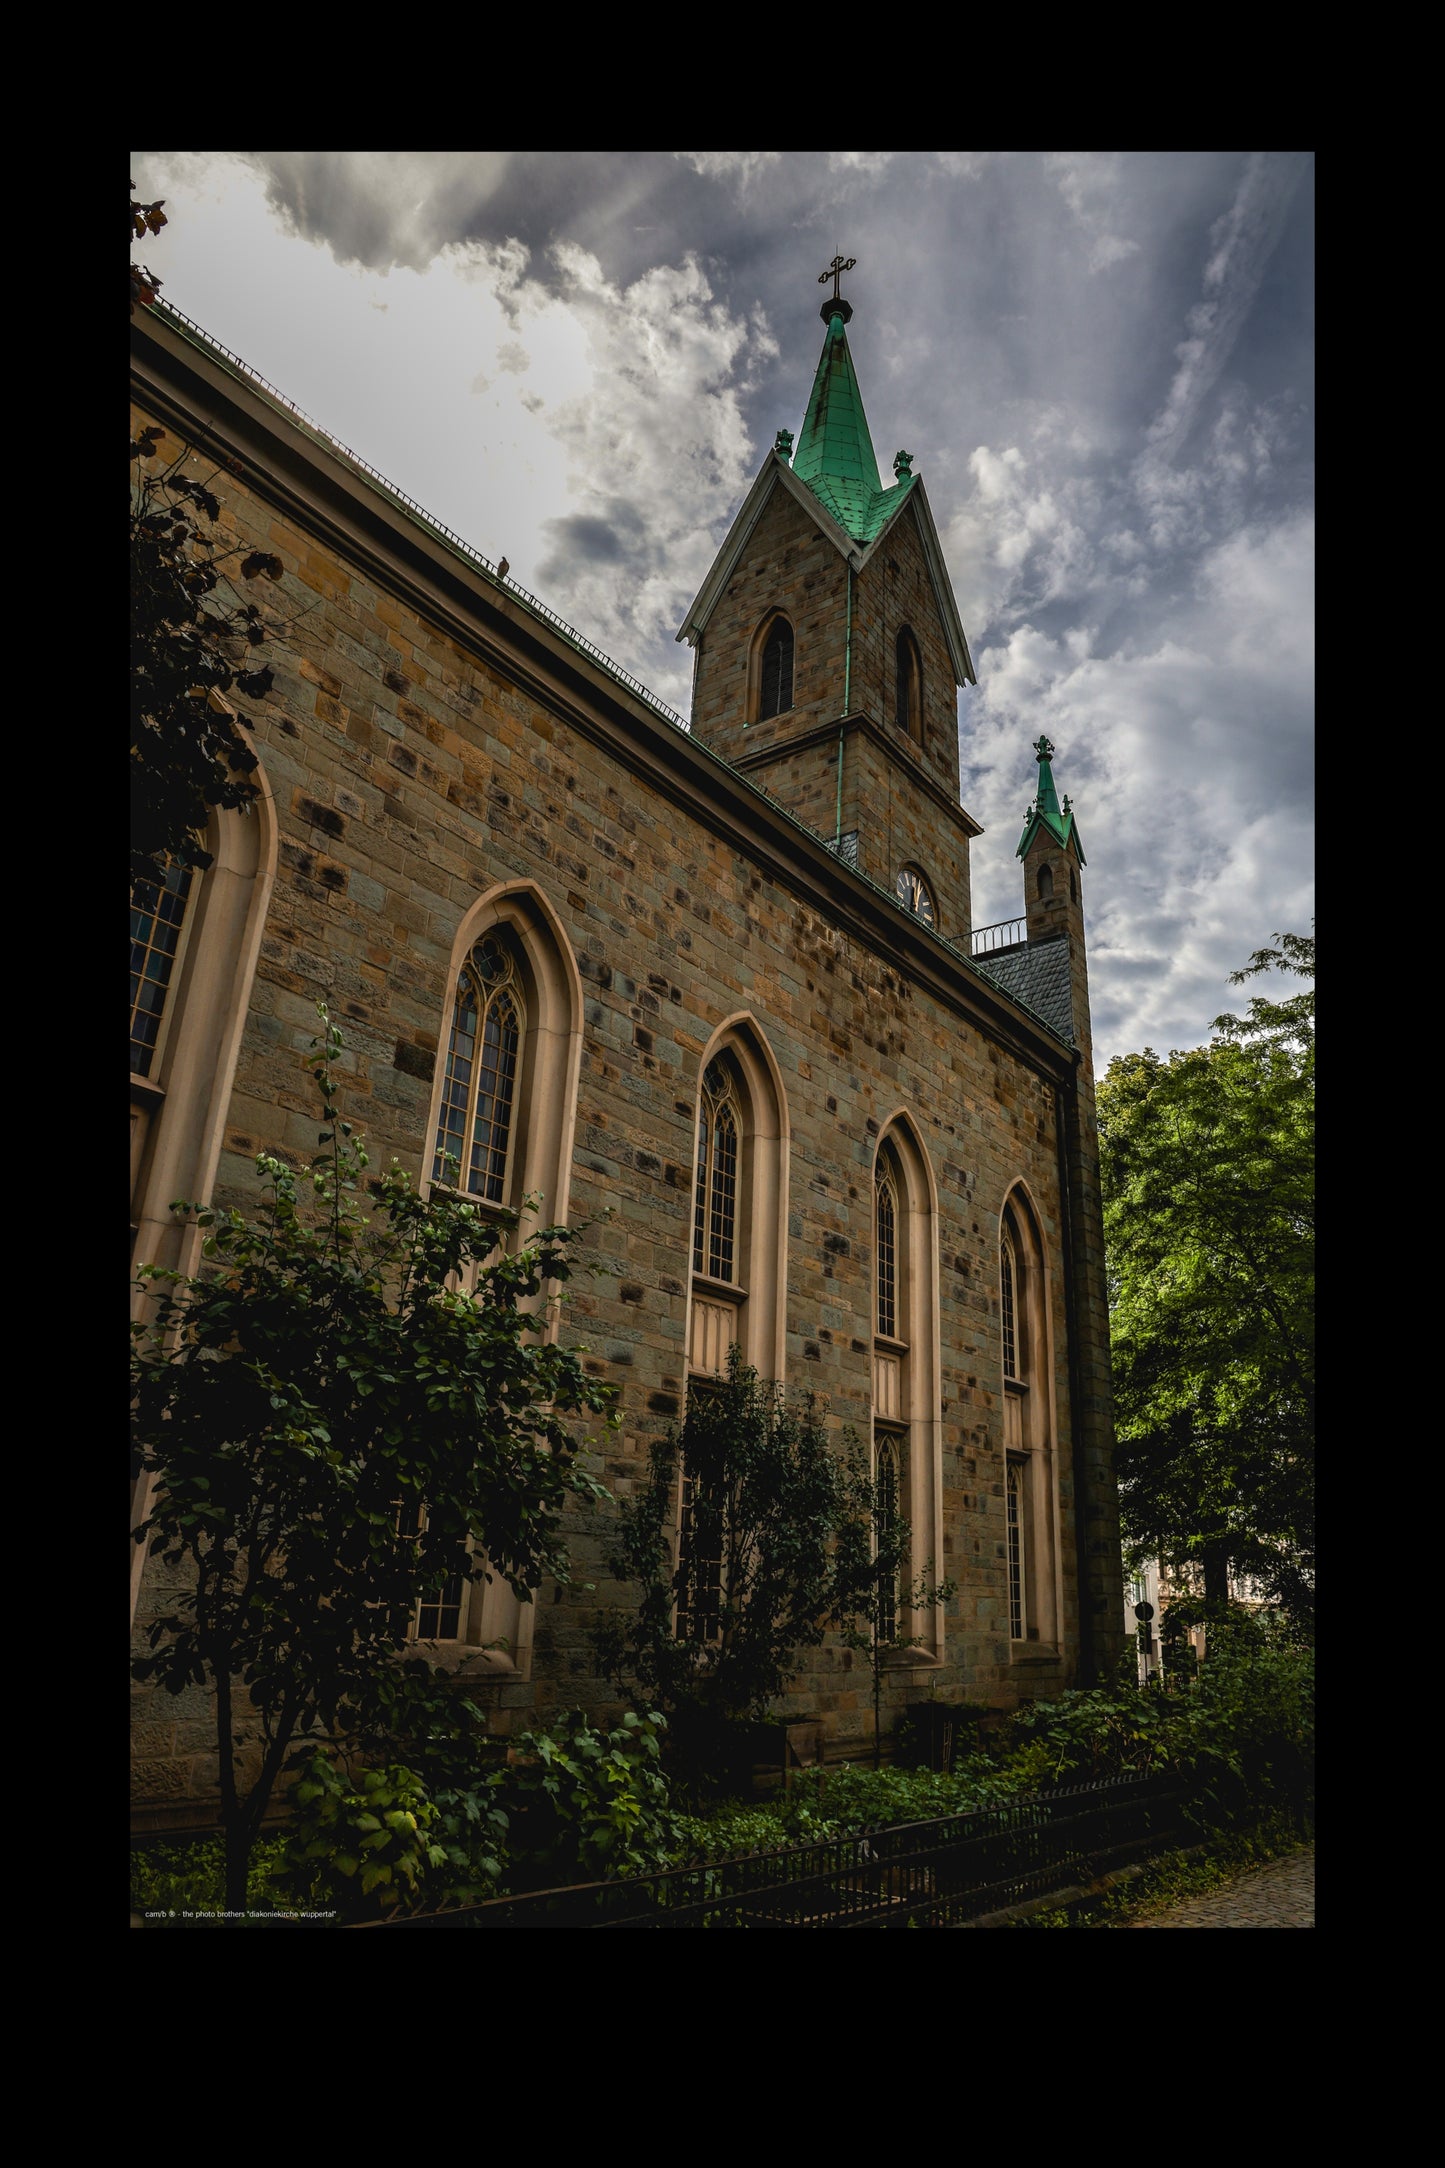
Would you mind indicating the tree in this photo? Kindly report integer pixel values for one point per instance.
(1207, 1163)
(877, 1588)
(189, 648)
(725, 1612)
(336, 1431)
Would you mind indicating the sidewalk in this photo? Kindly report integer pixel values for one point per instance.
(1281, 1894)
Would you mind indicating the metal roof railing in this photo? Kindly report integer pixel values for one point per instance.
(1003, 933)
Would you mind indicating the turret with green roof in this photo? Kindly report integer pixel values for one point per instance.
(1046, 812)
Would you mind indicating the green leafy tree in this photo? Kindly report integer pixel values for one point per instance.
(333, 1430)
(1207, 1166)
(724, 1614)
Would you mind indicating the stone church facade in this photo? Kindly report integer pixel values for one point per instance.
(721, 979)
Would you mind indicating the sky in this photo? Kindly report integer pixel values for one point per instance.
(1102, 363)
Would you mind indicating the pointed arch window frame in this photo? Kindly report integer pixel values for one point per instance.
(715, 1198)
(907, 1382)
(774, 626)
(1033, 1537)
(908, 684)
(475, 1134)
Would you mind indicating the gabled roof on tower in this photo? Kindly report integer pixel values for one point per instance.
(1046, 813)
(833, 474)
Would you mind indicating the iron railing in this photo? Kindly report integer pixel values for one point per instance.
(940, 1873)
(1004, 933)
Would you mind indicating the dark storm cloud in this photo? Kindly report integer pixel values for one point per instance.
(585, 539)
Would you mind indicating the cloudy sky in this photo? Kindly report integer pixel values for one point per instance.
(1102, 363)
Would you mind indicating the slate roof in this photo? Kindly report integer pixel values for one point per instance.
(1037, 974)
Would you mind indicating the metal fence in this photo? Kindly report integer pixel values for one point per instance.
(1003, 933)
(926, 1874)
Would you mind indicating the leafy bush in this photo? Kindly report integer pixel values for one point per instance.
(190, 1876)
(362, 1847)
(585, 1804)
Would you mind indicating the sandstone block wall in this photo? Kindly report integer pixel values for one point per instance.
(410, 773)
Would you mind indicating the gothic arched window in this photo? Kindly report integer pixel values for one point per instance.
(1007, 1308)
(770, 669)
(502, 1118)
(906, 1469)
(887, 1246)
(474, 1127)
(1030, 1504)
(715, 1213)
(740, 1210)
(886, 1510)
(1046, 884)
(908, 704)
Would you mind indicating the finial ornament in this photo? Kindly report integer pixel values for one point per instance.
(1043, 750)
(783, 443)
(903, 465)
(835, 271)
(836, 305)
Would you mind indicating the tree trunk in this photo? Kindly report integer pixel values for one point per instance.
(1216, 1579)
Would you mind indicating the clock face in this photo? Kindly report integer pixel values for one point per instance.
(913, 893)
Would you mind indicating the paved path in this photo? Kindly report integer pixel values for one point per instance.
(1281, 1894)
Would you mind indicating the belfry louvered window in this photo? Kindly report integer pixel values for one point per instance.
(714, 1236)
(775, 687)
(474, 1131)
(887, 1257)
(157, 915)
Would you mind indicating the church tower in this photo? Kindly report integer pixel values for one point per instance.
(828, 648)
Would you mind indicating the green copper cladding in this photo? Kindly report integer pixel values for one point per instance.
(835, 455)
(1046, 812)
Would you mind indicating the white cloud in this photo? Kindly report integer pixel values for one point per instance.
(1090, 183)
(859, 161)
(740, 166)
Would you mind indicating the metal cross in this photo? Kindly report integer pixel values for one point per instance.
(835, 271)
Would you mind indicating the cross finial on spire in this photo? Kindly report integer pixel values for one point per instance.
(836, 305)
(835, 271)
(1043, 750)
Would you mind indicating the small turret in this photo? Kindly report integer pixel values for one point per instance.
(1053, 860)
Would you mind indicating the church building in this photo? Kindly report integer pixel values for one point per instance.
(719, 975)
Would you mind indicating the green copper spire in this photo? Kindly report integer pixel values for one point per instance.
(834, 454)
(1046, 813)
